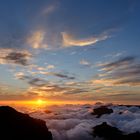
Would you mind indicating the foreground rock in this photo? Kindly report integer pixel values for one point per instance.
(112, 133)
(15, 126)
(101, 111)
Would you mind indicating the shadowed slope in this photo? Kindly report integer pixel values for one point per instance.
(15, 125)
(112, 133)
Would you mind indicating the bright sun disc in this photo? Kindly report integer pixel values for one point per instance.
(39, 101)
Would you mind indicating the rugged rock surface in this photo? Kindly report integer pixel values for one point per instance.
(101, 111)
(15, 126)
(112, 133)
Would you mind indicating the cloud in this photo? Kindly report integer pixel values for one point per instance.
(119, 63)
(36, 40)
(85, 62)
(31, 80)
(124, 71)
(49, 9)
(69, 40)
(39, 85)
(18, 57)
(76, 121)
(113, 55)
(59, 75)
(50, 67)
(47, 89)
(37, 82)
(19, 75)
(62, 76)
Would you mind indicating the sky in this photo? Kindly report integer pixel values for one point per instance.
(70, 50)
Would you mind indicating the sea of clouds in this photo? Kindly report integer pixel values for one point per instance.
(76, 122)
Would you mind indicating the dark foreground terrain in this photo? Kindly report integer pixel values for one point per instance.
(18, 126)
(112, 133)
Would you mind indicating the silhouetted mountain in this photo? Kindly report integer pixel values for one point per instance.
(112, 133)
(101, 111)
(15, 126)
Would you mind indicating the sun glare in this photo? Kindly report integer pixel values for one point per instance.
(40, 102)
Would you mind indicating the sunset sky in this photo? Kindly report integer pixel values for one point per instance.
(70, 50)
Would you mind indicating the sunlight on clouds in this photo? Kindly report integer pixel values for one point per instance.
(69, 40)
(50, 67)
(19, 75)
(85, 62)
(121, 72)
(103, 82)
(36, 40)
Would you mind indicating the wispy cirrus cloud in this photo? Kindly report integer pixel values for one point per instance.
(30, 80)
(125, 71)
(85, 63)
(69, 40)
(62, 75)
(35, 40)
(49, 9)
(56, 74)
(13, 56)
(39, 86)
(52, 89)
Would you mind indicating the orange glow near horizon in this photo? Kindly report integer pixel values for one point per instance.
(42, 102)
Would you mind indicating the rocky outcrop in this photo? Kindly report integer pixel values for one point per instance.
(101, 111)
(15, 126)
(112, 133)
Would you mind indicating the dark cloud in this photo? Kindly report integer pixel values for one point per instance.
(41, 85)
(130, 81)
(17, 58)
(31, 80)
(11, 56)
(36, 82)
(52, 88)
(121, 62)
(59, 75)
(48, 88)
(76, 91)
(63, 76)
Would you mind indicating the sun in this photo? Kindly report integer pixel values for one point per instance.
(39, 101)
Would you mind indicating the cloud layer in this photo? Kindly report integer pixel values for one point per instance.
(77, 122)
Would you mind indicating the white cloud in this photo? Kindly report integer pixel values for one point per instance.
(69, 40)
(19, 75)
(36, 40)
(75, 122)
(85, 62)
